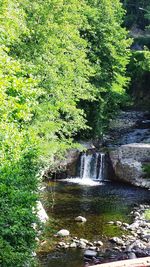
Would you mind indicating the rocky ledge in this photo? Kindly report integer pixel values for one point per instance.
(128, 161)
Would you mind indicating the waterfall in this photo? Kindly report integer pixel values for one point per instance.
(86, 167)
(92, 166)
(101, 169)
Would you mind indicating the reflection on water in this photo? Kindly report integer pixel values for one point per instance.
(98, 204)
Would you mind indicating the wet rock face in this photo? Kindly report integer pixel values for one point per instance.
(63, 168)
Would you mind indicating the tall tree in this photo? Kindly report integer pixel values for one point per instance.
(109, 54)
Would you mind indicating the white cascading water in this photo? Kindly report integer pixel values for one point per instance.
(91, 171)
(101, 169)
(85, 166)
(92, 166)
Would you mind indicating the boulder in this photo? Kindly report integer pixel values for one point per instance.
(63, 233)
(127, 161)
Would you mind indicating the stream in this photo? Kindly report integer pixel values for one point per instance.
(93, 195)
(99, 201)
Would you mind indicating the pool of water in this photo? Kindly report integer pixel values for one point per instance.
(99, 204)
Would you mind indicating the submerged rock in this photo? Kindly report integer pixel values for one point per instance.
(90, 253)
(63, 233)
(80, 219)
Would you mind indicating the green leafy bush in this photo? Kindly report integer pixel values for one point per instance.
(56, 58)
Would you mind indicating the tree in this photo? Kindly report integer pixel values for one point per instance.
(109, 54)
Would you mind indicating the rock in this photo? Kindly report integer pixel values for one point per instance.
(61, 244)
(131, 255)
(76, 241)
(117, 249)
(90, 244)
(41, 213)
(90, 253)
(117, 240)
(127, 163)
(66, 246)
(80, 219)
(136, 213)
(82, 245)
(98, 243)
(142, 253)
(146, 238)
(134, 226)
(84, 240)
(125, 224)
(138, 244)
(118, 223)
(73, 245)
(63, 233)
(93, 248)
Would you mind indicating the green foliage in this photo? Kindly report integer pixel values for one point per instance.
(62, 63)
(109, 54)
(18, 155)
(18, 148)
(56, 55)
(136, 11)
(139, 71)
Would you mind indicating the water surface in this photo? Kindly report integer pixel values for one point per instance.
(99, 204)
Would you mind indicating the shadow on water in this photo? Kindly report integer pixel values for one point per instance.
(99, 204)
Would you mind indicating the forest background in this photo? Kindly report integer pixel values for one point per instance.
(66, 69)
